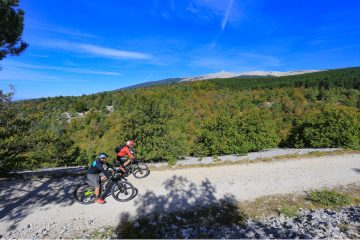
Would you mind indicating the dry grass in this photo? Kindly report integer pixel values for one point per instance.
(275, 204)
(273, 159)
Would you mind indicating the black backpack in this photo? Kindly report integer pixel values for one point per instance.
(118, 148)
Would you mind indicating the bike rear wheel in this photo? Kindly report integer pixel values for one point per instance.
(123, 191)
(84, 194)
(140, 170)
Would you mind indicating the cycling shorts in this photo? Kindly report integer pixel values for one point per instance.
(122, 160)
(94, 179)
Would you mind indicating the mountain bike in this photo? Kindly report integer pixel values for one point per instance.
(121, 190)
(136, 167)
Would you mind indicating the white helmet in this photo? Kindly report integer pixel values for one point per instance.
(130, 143)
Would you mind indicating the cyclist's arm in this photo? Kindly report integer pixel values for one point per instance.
(131, 156)
(101, 168)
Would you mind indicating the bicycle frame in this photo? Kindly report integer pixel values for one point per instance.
(105, 185)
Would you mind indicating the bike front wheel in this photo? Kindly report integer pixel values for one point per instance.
(140, 170)
(123, 191)
(84, 194)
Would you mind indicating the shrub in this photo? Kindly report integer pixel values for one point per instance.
(259, 130)
(288, 211)
(329, 126)
(329, 198)
(251, 130)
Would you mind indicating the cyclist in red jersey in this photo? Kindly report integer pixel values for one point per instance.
(123, 152)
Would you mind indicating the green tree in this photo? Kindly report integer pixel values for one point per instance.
(50, 149)
(13, 129)
(81, 106)
(252, 130)
(147, 120)
(219, 135)
(259, 131)
(27, 141)
(213, 117)
(11, 28)
(329, 126)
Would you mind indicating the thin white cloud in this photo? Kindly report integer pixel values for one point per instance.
(110, 52)
(212, 45)
(28, 76)
(92, 50)
(343, 47)
(172, 5)
(61, 30)
(16, 74)
(13, 64)
(213, 10)
(318, 41)
(227, 14)
(39, 55)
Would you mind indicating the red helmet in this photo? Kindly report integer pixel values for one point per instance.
(130, 143)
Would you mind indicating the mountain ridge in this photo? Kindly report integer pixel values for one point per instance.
(224, 74)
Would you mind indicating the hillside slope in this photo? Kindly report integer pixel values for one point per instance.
(201, 118)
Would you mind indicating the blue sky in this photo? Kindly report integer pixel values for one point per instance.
(83, 47)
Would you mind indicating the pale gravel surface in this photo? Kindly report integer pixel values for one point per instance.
(44, 208)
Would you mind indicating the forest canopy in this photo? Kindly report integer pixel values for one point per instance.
(167, 122)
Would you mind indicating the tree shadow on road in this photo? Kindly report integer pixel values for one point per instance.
(181, 194)
(189, 210)
(182, 203)
(20, 197)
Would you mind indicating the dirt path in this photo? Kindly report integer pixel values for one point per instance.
(44, 207)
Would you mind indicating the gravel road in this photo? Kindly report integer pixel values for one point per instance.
(43, 208)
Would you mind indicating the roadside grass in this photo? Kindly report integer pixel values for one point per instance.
(105, 232)
(289, 211)
(218, 162)
(216, 159)
(233, 213)
(329, 198)
(275, 205)
(290, 204)
(317, 154)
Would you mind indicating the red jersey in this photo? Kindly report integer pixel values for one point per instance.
(125, 151)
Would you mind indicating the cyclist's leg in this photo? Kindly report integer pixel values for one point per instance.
(123, 161)
(127, 163)
(101, 195)
(102, 177)
(98, 193)
(94, 180)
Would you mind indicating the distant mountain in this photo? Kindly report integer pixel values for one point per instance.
(223, 74)
(158, 82)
